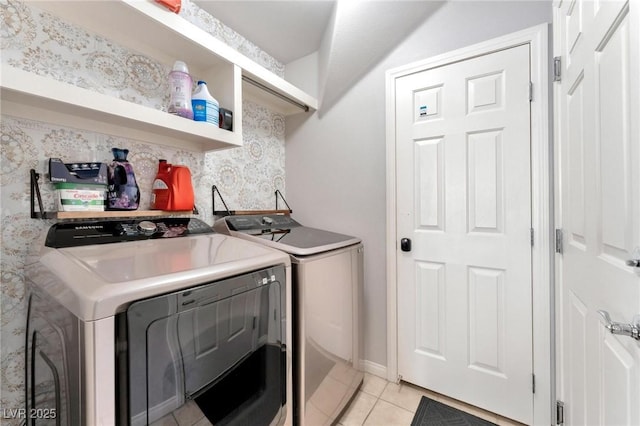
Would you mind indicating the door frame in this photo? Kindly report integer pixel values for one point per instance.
(538, 38)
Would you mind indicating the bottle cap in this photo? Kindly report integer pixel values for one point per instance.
(202, 82)
(180, 66)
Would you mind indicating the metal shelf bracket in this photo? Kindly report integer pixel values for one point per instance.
(35, 194)
(228, 212)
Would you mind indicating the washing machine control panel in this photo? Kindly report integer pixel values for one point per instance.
(73, 234)
(258, 222)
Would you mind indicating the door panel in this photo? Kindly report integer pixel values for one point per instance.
(430, 308)
(485, 93)
(599, 373)
(464, 198)
(430, 184)
(575, 127)
(486, 318)
(484, 169)
(579, 351)
(613, 120)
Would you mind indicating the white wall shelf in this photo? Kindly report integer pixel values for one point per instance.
(151, 29)
(28, 95)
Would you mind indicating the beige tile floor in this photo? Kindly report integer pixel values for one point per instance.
(187, 415)
(381, 403)
(378, 403)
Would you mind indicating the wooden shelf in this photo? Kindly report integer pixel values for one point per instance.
(119, 214)
(34, 194)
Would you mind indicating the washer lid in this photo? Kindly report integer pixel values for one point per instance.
(284, 233)
(302, 240)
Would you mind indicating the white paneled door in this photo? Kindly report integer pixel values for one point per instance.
(598, 154)
(464, 200)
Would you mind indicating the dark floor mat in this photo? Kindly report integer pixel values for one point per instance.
(434, 413)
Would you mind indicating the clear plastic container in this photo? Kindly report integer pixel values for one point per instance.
(205, 106)
(180, 84)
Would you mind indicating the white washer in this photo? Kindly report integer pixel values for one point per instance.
(327, 300)
(128, 321)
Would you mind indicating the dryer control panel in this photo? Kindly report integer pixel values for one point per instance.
(74, 234)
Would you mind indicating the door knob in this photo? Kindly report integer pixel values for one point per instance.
(631, 330)
(634, 263)
(405, 244)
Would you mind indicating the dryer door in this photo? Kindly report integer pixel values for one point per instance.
(219, 344)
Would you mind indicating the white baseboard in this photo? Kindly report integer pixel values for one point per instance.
(375, 369)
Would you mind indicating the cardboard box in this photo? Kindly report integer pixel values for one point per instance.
(79, 186)
(72, 197)
(89, 173)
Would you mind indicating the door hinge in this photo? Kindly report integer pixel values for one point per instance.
(530, 91)
(559, 239)
(533, 383)
(557, 68)
(532, 236)
(559, 412)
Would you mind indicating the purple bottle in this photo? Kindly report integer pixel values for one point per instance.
(180, 84)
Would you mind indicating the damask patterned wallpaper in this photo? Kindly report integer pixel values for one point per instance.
(35, 41)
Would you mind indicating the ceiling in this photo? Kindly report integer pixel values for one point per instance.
(350, 36)
(287, 30)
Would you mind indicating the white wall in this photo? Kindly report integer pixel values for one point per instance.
(335, 160)
(298, 72)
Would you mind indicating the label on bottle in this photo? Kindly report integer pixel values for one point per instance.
(205, 110)
(180, 102)
(159, 184)
(199, 109)
(212, 113)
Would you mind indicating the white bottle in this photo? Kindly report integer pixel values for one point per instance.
(180, 84)
(205, 107)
